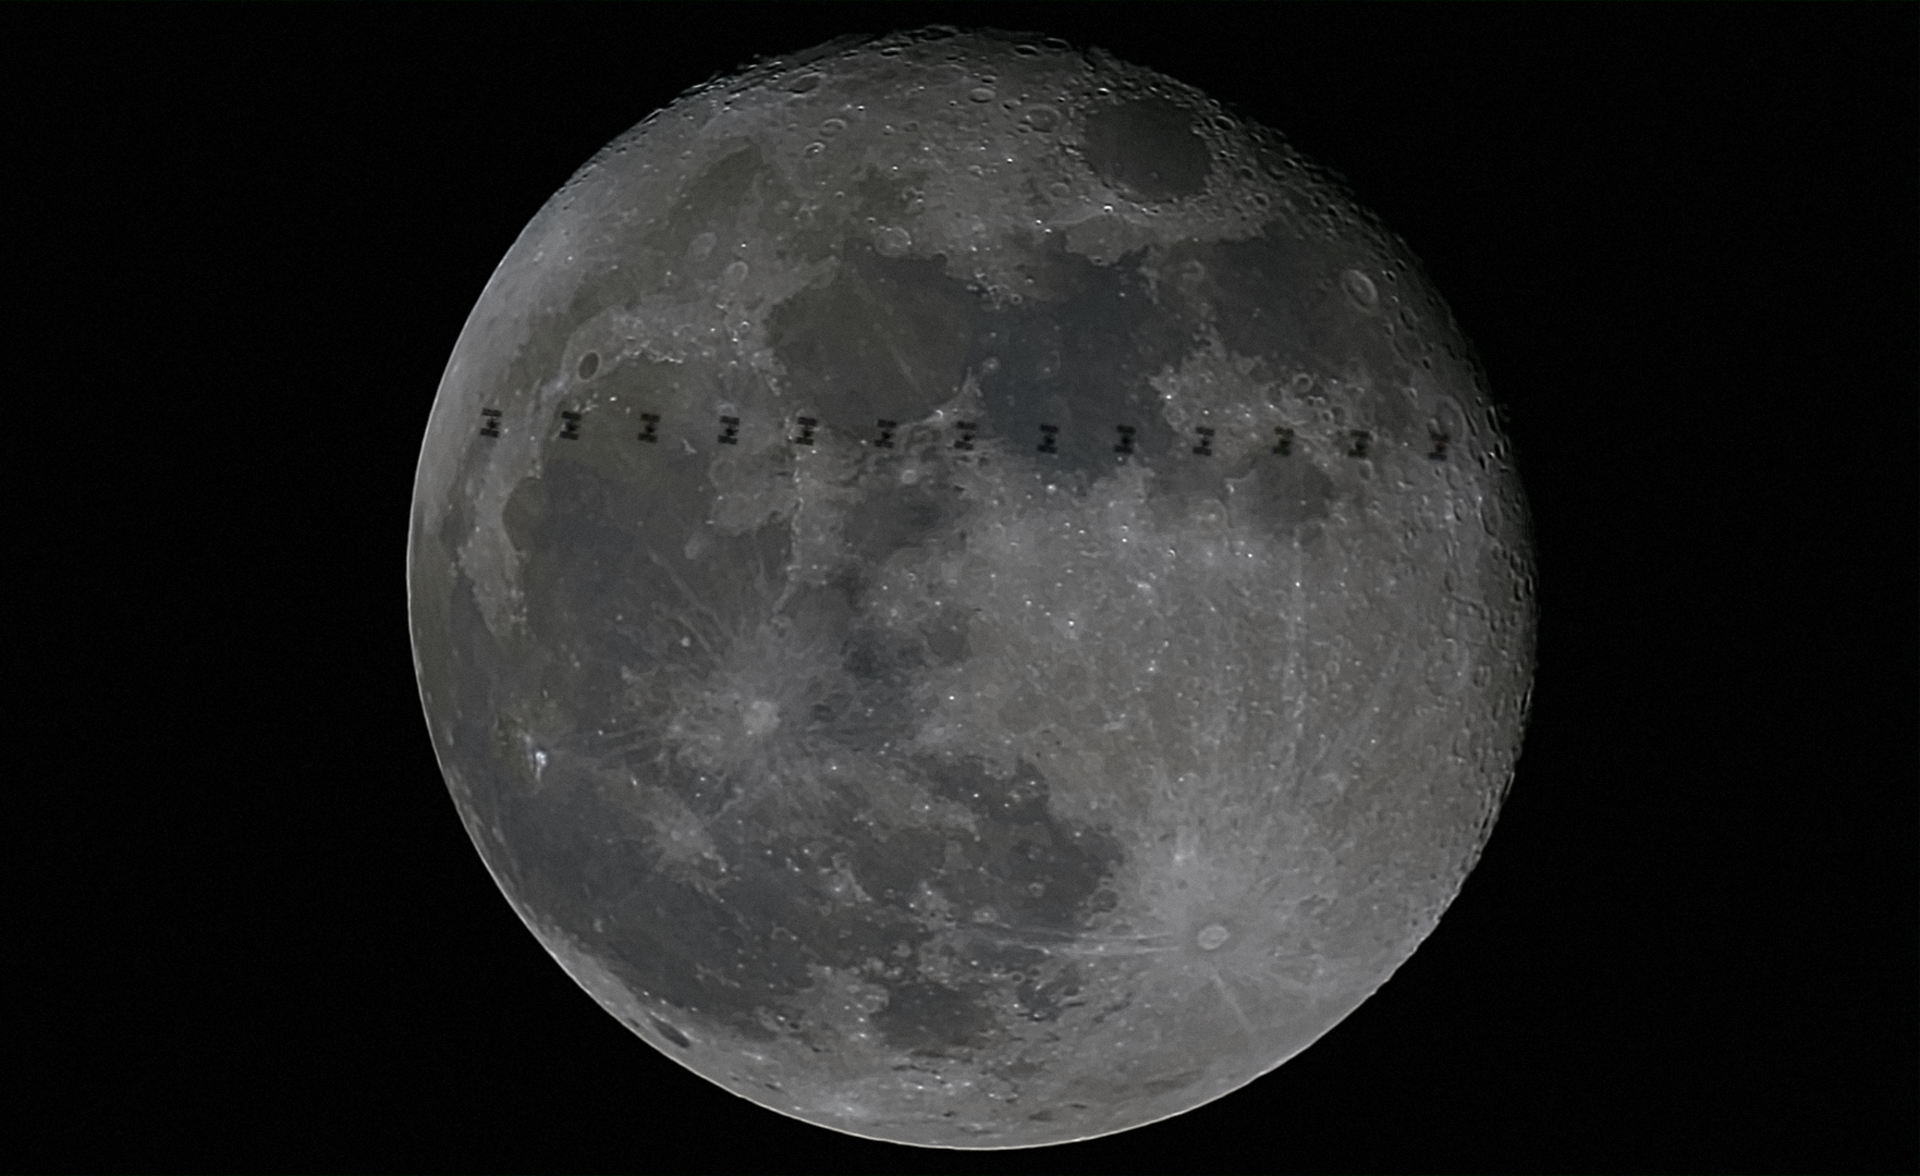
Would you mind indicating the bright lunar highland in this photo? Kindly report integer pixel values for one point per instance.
(968, 594)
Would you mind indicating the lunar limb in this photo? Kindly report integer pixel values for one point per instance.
(967, 594)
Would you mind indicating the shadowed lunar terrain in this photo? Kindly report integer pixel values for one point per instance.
(967, 594)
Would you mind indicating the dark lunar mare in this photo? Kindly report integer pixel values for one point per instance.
(1078, 355)
(894, 338)
(735, 949)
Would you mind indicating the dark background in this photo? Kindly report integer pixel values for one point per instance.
(250, 933)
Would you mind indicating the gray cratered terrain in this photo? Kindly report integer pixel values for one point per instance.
(968, 595)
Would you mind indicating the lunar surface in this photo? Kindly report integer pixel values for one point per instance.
(967, 594)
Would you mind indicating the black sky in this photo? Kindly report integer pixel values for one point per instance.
(253, 935)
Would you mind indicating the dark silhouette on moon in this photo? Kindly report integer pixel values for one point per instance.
(968, 595)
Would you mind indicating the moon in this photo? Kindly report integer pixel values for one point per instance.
(967, 594)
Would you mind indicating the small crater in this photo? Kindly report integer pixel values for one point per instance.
(1211, 937)
(589, 364)
(1360, 289)
(1042, 118)
(1159, 1086)
(947, 639)
(669, 1032)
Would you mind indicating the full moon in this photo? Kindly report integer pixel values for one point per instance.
(968, 594)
